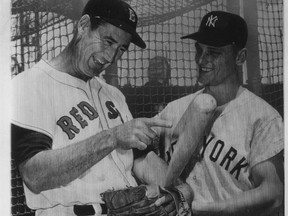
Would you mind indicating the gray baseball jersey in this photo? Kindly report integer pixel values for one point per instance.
(247, 132)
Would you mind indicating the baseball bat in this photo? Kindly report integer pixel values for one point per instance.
(190, 131)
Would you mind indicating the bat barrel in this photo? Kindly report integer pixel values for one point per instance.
(191, 129)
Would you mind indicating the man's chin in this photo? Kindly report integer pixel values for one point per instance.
(202, 82)
(97, 72)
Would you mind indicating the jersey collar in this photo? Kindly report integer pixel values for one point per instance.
(62, 77)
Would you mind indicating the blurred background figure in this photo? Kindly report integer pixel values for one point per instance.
(159, 72)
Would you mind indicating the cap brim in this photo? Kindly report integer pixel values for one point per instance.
(136, 39)
(190, 36)
(208, 39)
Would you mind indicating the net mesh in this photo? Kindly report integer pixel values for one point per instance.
(270, 28)
(149, 78)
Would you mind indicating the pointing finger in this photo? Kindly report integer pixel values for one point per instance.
(140, 145)
(149, 132)
(142, 137)
(163, 200)
(156, 122)
(160, 201)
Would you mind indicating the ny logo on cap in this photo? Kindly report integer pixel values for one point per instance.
(211, 21)
(132, 16)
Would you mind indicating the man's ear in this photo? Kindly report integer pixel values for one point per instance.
(83, 24)
(241, 56)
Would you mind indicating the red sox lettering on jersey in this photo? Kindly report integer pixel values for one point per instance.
(67, 123)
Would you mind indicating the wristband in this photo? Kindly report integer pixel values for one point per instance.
(182, 206)
(179, 193)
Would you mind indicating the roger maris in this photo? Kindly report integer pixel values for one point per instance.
(238, 167)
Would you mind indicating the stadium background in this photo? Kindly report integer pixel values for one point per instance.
(166, 69)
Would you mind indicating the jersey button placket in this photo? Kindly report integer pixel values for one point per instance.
(103, 120)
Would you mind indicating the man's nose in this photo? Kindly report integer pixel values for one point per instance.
(111, 54)
(202, 59)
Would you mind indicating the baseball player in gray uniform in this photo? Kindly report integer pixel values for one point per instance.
(73, 134)
(239, 168)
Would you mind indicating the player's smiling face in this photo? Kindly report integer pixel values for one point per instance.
(100, 48)
(214, 64)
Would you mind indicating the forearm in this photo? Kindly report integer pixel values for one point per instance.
(265, 198)
(259, 201)
(153, 170)
(54, 168)
(150, 169)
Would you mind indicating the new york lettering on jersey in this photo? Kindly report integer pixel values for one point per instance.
(225, 155)
(220, 153)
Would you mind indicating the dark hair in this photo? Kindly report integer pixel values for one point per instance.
(96, 22)
(236, 48)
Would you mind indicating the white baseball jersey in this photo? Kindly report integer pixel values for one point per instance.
(69, 110)
(247, 132)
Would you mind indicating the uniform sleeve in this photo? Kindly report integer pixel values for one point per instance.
(268, 140)
(27, 143)
(32, 102)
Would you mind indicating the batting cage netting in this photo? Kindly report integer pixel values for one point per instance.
(166, 69)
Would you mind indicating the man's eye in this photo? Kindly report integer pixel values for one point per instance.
(213, 53)
(209, 53)
(122, 49)
(108, 42)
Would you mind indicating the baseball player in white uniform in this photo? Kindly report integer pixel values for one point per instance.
(68, 111)
(239, 167)
(73, 134)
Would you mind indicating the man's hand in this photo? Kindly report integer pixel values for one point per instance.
(146, 200)
(137, 133)
(176, 200)
(137, 201)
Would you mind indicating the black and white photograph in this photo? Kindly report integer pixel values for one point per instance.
(146, 107)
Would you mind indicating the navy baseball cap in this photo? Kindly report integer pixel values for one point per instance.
(117, 13)
(219, 28)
